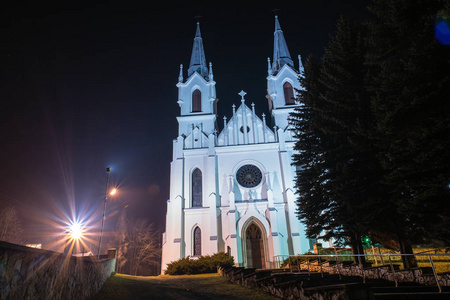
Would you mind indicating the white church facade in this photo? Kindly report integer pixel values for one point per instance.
(233, 191)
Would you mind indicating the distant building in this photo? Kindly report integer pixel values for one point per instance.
(233, 191)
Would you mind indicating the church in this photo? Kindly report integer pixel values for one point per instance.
(233, 191)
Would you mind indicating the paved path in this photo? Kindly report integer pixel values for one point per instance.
(205, 286)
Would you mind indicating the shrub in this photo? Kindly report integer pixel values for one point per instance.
(204, 264)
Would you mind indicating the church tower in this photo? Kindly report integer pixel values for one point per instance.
(197, 95)
(282, 80)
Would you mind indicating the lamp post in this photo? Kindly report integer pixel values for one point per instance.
(108, 170)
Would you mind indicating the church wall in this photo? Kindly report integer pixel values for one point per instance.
(266, 157)
(205, 216)
(185, 94)
(275, 85)
(197, 217)
(276, 91)
(173, 237)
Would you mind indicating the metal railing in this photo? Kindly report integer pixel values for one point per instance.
(294, 263)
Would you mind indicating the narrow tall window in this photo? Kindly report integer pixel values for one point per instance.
(288, 93)
(197, 188)
(196, 101)
(197, 241)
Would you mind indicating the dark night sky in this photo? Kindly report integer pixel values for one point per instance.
(85, 87)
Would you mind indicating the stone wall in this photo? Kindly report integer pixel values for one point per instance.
(295, 286)
(28, 273)
(418, 275)
(342, 282)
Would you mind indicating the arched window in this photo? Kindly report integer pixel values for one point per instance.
(197, 241)
(196, 101)
(197, 188)
(288, 93)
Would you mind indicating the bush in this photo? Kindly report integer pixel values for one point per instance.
(204, 264)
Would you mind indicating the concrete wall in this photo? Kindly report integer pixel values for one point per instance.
(28, 273)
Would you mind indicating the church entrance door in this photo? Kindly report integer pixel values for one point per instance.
(255, 247)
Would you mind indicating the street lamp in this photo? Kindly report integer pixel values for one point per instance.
(75, 231)
(108, 170)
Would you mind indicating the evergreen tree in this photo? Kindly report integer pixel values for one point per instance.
(314, 209)
(342, 74)
(410, 83)
(373, 130)
(337, 193)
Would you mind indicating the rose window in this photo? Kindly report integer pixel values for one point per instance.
(249, 176)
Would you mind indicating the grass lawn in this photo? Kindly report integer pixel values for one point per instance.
(204, 286)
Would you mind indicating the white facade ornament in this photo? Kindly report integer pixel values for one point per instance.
(180, 77)
(269, 67)
(211, 76)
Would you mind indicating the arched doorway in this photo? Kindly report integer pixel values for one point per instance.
(254, 247)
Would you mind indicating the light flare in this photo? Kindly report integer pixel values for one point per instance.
(76, 231)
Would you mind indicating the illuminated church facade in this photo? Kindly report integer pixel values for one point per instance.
(233, 191)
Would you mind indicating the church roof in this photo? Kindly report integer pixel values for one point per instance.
(281, 54)
(198, 60)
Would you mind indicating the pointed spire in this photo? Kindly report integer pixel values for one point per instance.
(211, 76)
(197, 32)
(269, 67)
(281, 54)
(180, 77)
(198, 60)
(300, 65)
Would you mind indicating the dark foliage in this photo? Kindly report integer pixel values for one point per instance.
(334, 149)
(374, 130)
(202, 265)
(409, 85)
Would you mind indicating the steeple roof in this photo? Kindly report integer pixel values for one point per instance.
(281, 54)
(198, 60)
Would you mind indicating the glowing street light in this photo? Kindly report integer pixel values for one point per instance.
(75, 231)
(108, 170)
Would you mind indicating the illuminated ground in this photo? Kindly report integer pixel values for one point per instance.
(205, 286)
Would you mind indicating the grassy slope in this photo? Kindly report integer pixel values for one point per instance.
(204, 286)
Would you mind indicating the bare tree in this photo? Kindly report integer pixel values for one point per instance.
(143, 250)
(10, 226)
(138, 246)
(121, 242)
